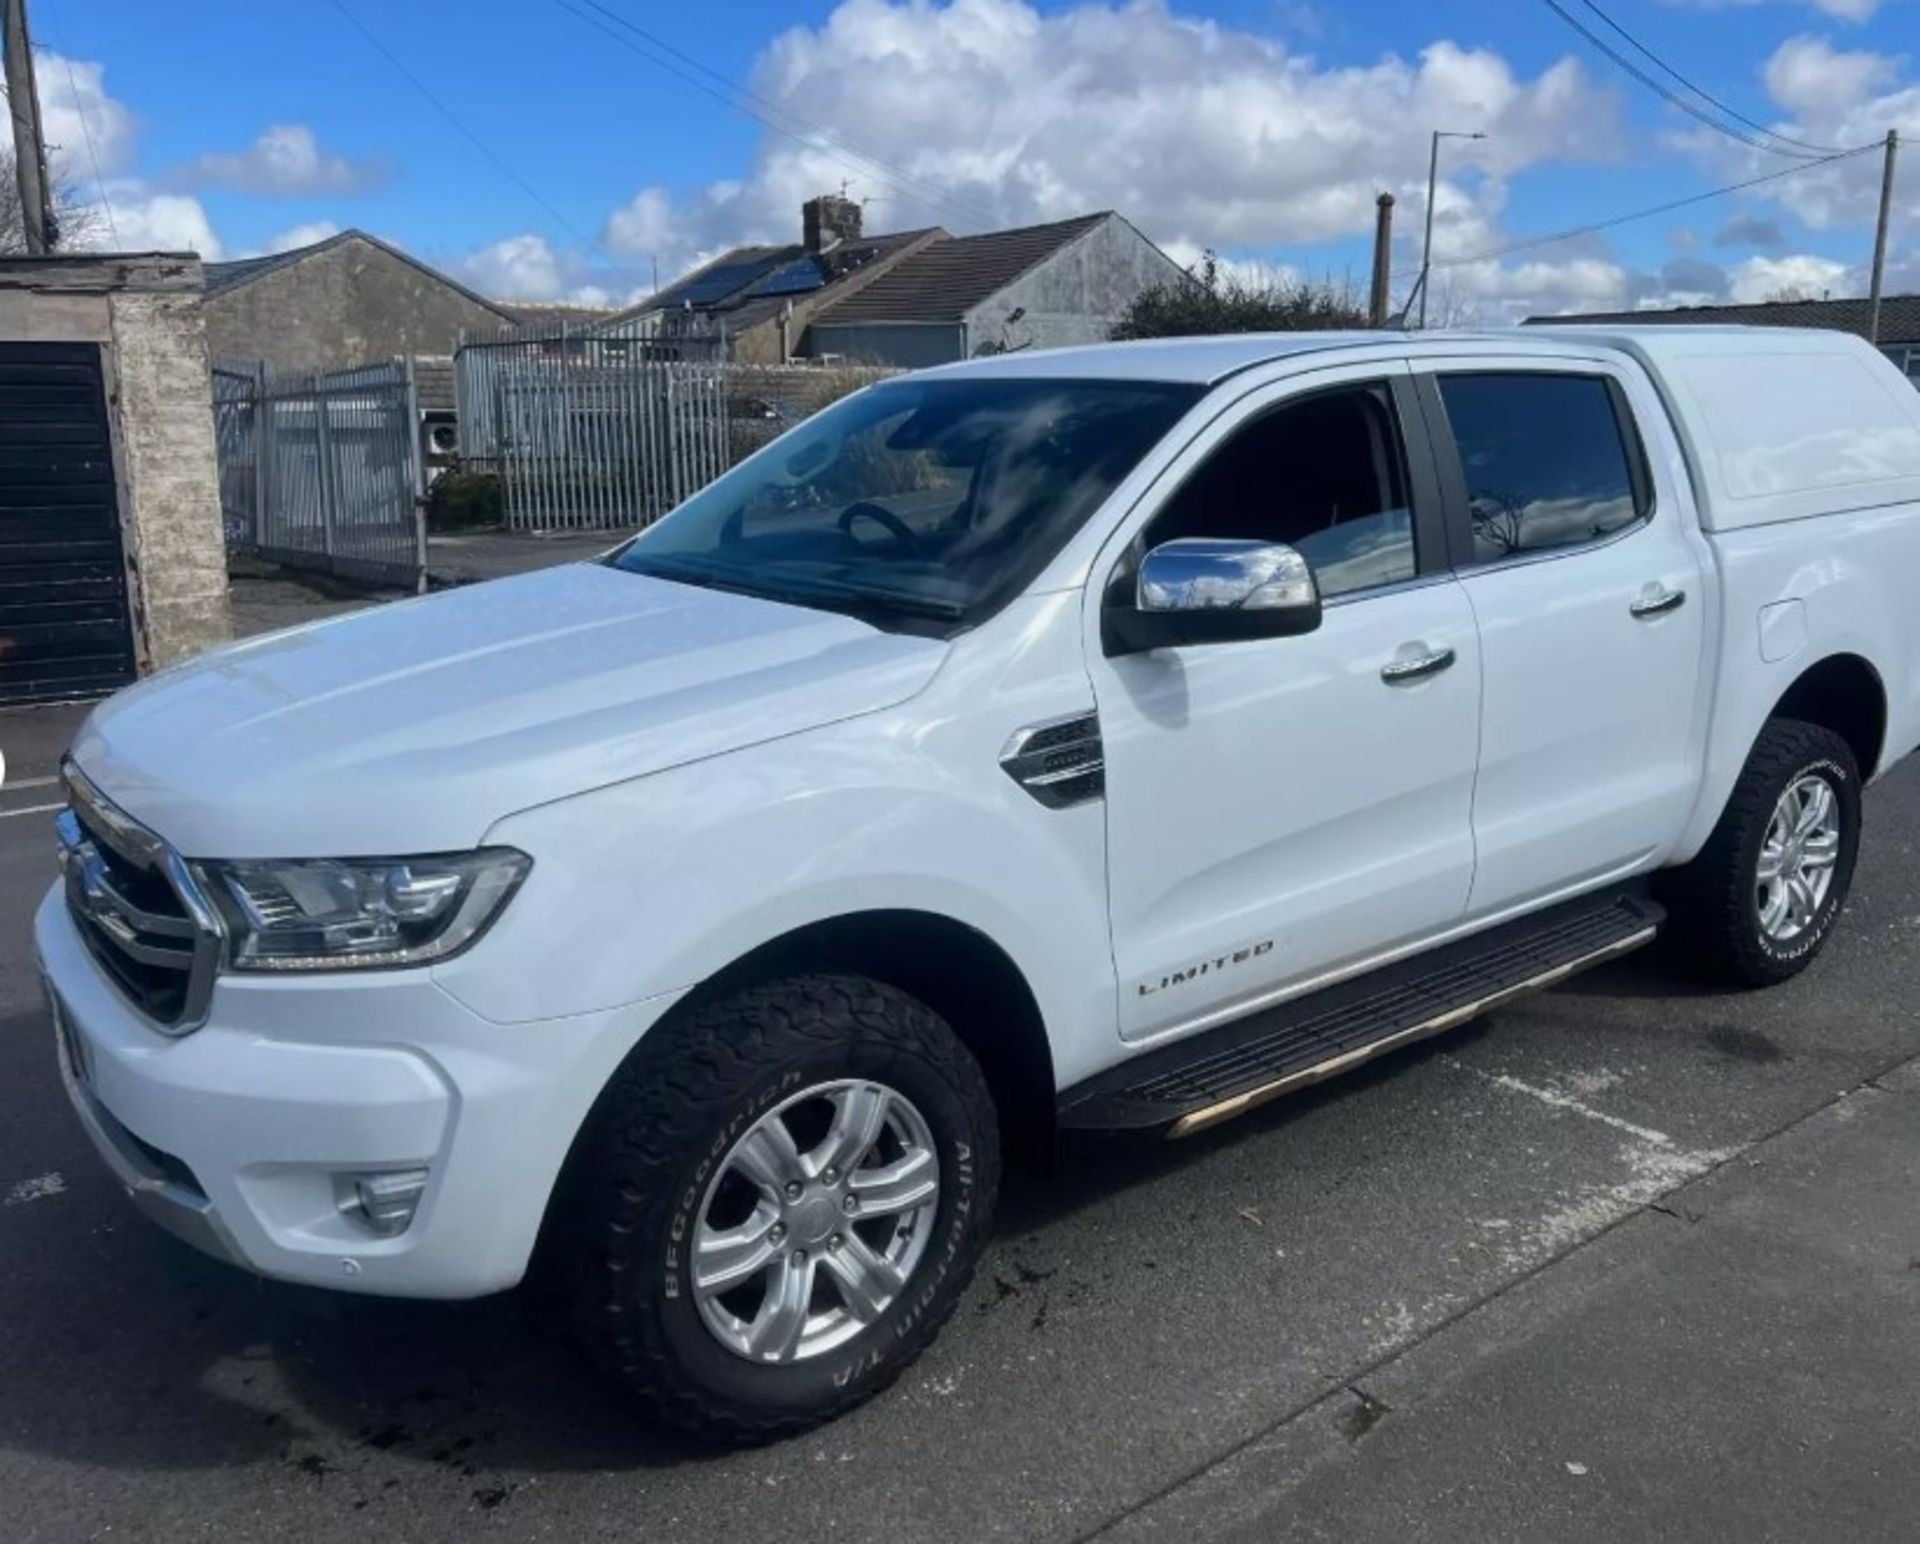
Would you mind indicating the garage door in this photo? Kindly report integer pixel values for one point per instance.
(64, 627)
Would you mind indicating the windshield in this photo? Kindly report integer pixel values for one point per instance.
(917, 504)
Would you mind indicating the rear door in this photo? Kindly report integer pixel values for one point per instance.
(1585, 574)
(64, 623)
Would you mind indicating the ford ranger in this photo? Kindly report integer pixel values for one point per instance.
(1109, 738)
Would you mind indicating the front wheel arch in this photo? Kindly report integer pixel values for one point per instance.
(953, 968)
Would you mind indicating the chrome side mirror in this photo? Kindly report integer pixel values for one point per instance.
(1201, 590)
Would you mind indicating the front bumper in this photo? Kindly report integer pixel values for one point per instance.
(239, 1136)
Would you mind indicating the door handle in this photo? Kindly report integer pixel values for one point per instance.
(1657, 600)
(1416, 667)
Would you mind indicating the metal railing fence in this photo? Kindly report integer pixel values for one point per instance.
(589, 432)
(323, 471)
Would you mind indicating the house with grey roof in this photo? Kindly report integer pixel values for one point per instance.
(913, 298)
(1898, 339)
(1041, 286)
(753, 304)
(342, 301)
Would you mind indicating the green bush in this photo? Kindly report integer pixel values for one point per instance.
(460, 499)
(1207, 301)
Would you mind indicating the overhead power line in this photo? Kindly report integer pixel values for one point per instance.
(86, 134)
(772, 115)
(1643, 214)
(1693, 110)
(471, 137)
(1703, 94)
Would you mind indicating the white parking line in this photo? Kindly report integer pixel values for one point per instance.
(31, 809)
(28, 782)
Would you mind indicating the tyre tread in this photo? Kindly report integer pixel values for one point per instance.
(1711, 897)
(665, 1099)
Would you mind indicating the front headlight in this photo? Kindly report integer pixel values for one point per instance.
(359, 913)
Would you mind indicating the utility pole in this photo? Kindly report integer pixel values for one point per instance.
(1880, 237)
(1377, 301)
(1433, 182)
(29, 148)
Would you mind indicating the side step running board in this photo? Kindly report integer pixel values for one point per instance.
(1215, 1075)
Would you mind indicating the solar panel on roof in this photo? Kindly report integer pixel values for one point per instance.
(799, 277)
(725, 280)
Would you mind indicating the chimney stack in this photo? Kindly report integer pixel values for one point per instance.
(1377, 299)
(827, 221)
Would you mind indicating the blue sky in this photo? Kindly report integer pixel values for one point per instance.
(1259, 127)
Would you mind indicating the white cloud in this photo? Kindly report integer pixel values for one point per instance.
(529, 267)
(644, 225)
(84, 126)
(286, 159)
(303, 235)
(91, 139)
(134, 218)
(1831, 97)
(1812, 79)
(995, 112)
(1765, 278)
(1840, 10)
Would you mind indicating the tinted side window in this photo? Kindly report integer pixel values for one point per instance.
(1546, 461)
(1325, 475)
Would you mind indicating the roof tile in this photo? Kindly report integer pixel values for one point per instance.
(951, 277)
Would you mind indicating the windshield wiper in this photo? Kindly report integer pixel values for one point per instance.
(834, 594)
(814, 587)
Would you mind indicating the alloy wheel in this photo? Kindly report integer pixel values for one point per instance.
(815, 1221)
(1797, 858)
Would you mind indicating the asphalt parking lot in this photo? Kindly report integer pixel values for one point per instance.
(1626, 1260)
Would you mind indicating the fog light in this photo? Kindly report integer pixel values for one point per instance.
(382, 1203)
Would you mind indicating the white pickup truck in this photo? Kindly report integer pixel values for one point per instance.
(1114, 737)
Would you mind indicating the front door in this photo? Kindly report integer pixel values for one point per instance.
(1576, 552)
(1280, 809)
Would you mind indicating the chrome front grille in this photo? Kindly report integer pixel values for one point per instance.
(138, 908)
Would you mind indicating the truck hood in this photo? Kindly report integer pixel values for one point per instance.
(413, 727)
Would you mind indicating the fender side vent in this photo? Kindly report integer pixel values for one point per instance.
(1059, 762)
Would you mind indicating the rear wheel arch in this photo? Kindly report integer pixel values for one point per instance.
(1843, 693)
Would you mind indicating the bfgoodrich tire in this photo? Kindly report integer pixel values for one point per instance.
(1761, 899)
(777, 1205)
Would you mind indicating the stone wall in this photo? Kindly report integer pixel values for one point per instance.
(144, 312)
(178, 549)
(348, 303)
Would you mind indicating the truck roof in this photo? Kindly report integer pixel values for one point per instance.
(1198, 360)
(1205, 360)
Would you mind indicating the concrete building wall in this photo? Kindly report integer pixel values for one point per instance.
(349, 304)
(144, 313)
(178, 549)
(902, 345)
(1074, 296)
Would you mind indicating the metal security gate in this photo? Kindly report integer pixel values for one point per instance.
(323, 471)
(589, 432)
(65, 627)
